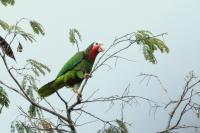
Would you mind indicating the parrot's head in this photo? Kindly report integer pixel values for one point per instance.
(94, 49)
(97, 47)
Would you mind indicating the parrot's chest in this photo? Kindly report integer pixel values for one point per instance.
(85, 66)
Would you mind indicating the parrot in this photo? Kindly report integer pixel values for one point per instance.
(74, 70)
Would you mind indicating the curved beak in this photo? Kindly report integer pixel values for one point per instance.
(101, 48)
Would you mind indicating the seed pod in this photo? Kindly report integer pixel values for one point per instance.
(6, 48)
(19, 47)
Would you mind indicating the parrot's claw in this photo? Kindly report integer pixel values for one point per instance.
(87, 75)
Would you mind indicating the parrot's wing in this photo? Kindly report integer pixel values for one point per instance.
(71, 63)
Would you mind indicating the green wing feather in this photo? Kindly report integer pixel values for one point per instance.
(71, 63)
(56, 84)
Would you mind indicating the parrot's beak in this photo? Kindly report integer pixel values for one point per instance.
(101, 48)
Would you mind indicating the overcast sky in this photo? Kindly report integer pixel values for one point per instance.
(104, 20)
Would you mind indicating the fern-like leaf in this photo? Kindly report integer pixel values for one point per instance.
(150, 44)
(12, 127)
(29, 92)
(7, 2)
(4, 25)
(25, 35)
(28, 84)
(4, 100)
(32, 111)
(38, 67)
(37, 27)
(120, 128)
(72, 36)
(21, 127)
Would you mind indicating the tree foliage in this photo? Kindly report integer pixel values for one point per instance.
(34, 111)
(17, 31)
(7, 2)
(38, 68)
(150, 44)
(73, 34)
(21, 127)
(120, 128)
(4, 25)
(4, 100)
(37, 27)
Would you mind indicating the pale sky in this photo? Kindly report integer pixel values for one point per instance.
(104, 20)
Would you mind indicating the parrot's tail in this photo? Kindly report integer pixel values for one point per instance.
(49, 88)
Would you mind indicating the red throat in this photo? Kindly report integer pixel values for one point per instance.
(93, 52)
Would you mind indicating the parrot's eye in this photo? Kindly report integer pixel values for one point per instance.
(95, 43)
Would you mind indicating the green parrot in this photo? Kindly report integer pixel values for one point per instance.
(74, 71)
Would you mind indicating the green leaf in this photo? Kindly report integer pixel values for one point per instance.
(24, 82)
(35, 71)
(72, 36)
(4, 100)
(19, 31)
(32, 111)
(20, 128)
(29, 92)
(12, 127)
(4, 25)
(33, 84)
(37, 27)
(150, 44)
(122, 126)
(7, 2)
(38, 68)
(29, 84)
(27, 80)
(27, 36)
(28, 129)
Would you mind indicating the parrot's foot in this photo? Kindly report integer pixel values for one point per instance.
(87, 75)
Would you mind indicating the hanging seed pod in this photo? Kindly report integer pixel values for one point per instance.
(19, 47)
(6, 48)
